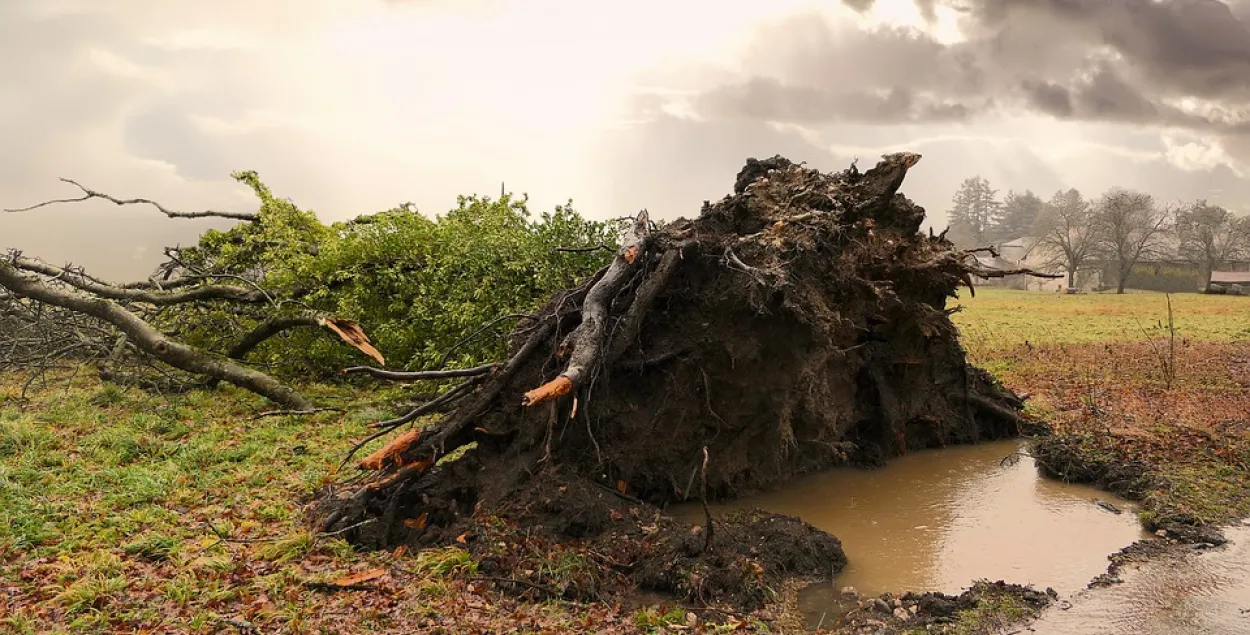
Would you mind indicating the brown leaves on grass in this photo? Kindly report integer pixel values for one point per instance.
(1119, 390)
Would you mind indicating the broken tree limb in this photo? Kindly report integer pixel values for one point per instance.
(89, 194)
(588, 338)
(412, 415)
(149, 340)
(355, 336)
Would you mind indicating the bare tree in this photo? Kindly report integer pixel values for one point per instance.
(1130, 225)
(1210, 236)
(1067, 234)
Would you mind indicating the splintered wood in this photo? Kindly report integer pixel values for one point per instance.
(353, 335)
(390, 454)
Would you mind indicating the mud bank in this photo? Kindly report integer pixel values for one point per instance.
(1102, 462)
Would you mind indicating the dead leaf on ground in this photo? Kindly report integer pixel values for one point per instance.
(418, 522)
(357, 579)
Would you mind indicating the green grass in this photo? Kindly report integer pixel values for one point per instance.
(1002, 318)
(114, 504)
(120, 510)
(993, 612)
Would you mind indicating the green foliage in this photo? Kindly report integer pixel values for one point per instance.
(417, 285)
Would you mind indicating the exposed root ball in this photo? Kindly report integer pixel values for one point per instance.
(796, 324)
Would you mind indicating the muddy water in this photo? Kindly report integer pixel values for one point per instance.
(938, 520)
(1193, 593)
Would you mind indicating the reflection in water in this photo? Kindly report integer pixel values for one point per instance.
(938, 520)
(1191, 594)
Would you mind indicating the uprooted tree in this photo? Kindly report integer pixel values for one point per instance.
(798, 323)
(232, 307)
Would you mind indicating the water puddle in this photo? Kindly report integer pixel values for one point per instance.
(1195, 593)
(940, 519)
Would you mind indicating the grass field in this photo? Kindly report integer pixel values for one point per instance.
(999, 319)
(122, 512)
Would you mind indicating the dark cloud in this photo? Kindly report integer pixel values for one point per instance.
(1195, 47)
(1023, 56)
(769, 99)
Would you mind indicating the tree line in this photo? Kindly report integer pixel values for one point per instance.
(1117, 229)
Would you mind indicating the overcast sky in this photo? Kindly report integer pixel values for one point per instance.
(352, 106)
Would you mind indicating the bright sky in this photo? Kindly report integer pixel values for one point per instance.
(350, 107)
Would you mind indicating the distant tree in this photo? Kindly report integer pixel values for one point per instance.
(1129, 225)
(974, 212)
(1019, 214)
(1067, 234)
(1210, 236)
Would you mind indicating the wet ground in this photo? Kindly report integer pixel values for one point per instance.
(1191, 592)
(940, 519)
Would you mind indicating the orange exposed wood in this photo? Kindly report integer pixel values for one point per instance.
(408, 471)
(631, 254)
(353, 335)
(389, 454)
(557, 387)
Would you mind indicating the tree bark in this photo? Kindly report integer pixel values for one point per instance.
(268, 329)
(588, 338)
(151, 341)
(134, 294)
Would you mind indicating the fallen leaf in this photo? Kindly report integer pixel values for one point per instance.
(355, 579)
(462, 538)
(418, 522)
(400, 551)
(621, 486)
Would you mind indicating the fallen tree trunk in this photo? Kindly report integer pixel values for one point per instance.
(798, 323)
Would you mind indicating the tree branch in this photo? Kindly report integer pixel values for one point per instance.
(84, 282)
(90, 194)
(401, 375)
(151, 341)
(268, 329)
(587, 338)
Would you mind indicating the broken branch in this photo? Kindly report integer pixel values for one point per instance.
(89, 194)
(84, 282)
(587, 338)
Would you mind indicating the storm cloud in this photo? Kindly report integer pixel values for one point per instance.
(1175, 65)
(350, 108)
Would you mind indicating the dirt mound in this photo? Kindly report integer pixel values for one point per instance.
(798, 323)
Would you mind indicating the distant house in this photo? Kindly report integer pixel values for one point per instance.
(1162, 270)
(1231, 277)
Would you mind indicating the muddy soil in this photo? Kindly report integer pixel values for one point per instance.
(1098, 462)
(983, 608)
(796, 324)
